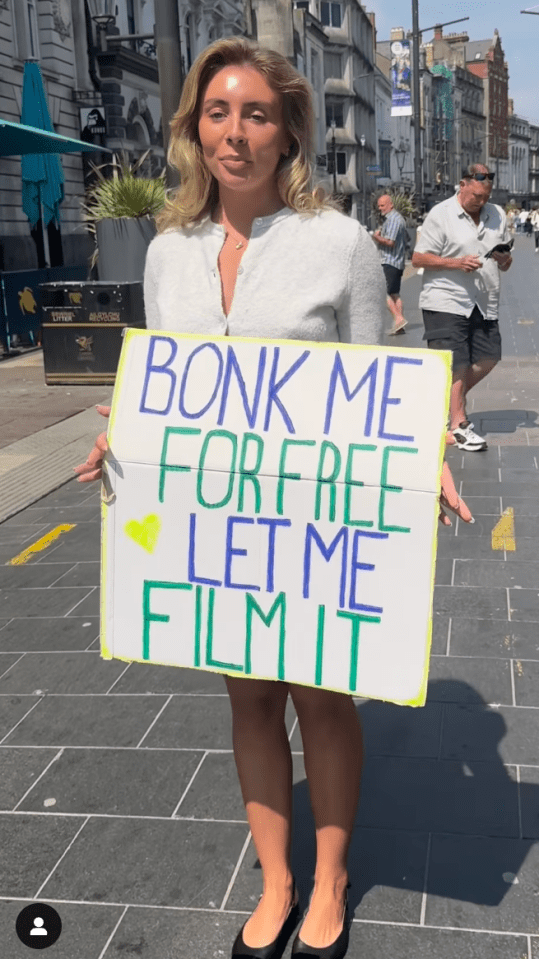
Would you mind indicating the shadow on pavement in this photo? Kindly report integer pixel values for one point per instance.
(423, 799)
(506, 421)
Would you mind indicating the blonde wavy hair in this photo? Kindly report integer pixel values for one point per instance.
(198, 193)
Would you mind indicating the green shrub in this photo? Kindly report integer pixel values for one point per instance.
(124, 194)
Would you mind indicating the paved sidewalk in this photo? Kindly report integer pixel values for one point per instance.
(119, 800)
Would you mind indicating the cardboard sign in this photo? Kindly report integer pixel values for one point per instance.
(273, 510)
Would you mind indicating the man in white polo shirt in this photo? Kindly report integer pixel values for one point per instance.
(461, 288)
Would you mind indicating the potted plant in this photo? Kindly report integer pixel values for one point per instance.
(120, 211)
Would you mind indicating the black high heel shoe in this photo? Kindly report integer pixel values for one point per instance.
(336, 949)
(275, 949)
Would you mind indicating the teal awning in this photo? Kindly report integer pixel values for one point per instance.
(42, 173)
(16, 139)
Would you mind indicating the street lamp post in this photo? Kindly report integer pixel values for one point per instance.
(400, 156)
(362, 141)
(334, 155)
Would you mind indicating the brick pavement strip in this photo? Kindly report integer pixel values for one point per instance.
(119, 800)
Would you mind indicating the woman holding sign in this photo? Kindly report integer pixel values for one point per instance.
(246, 248)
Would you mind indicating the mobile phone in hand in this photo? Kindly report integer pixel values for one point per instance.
(500, 248)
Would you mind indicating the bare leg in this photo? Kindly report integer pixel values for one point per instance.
(394, 305)
(463, 381)
(264, 764)
(457, 404)
(333, 754)
(477, 372)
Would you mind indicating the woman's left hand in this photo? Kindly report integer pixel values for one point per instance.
(449, 498)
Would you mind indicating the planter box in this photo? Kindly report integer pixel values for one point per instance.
(122, 245)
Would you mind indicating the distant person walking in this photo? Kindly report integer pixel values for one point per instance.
(391, 239)
(461, 289)
(535, 226)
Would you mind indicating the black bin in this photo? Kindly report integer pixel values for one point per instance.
(83, 325)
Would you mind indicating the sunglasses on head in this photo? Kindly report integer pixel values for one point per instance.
(479, 176)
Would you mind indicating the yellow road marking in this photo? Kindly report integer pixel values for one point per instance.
(503, 534)
(40, 544)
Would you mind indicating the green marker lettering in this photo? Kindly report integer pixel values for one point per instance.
(253, 607)
(349, 482)
(282, 474)
(213, 434)
(147, 616)
(251, 473)
(319, 645)
(328, 480)
(210, 661)
(163, 465)
(385, 487)
(356, 619)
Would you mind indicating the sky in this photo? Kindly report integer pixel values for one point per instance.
(519, 35)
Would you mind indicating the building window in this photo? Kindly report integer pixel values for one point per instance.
(335, 111)
(385, 157)
(331, 14)
(332, 65)
(26, 29)
(341, 163)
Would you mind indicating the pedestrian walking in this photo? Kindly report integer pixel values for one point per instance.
(242, 141)
(523, 216)
(535, 227)
(461, 289)
(391, 239)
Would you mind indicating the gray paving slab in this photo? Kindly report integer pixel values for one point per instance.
(86, 929)
(85, 720)
(468, 876)
(526, 677)
(478, 799)
(458, 679)
(80, 672)
(48, 634)
(31, 847)
(422, 942)
(100, 782)
(507, 733)
(155, 862)
(20, 770)
(491, 573)
(484, 638)
(20, 577)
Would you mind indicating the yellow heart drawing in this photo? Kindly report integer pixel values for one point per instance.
(146, 532)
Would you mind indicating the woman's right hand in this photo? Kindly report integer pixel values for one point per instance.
(91, 469)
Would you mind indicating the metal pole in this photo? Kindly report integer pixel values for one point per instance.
(334, 162)
(363, 210)
(169, 60)
(418, 162)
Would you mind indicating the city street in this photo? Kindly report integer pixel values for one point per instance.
(119, 800)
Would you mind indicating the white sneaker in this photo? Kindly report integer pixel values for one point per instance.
(466, 439)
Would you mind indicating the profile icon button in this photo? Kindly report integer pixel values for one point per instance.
(38, 926)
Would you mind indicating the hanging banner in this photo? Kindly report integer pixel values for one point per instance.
(401, 79)
(272, 510)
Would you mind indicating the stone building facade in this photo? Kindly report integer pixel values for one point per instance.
(486, 59)
(89, 74)
(49, 31)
